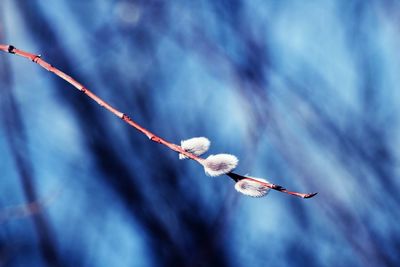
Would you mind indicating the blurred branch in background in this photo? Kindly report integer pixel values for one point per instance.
(26, 210)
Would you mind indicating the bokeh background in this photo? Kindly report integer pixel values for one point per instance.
(304, 93)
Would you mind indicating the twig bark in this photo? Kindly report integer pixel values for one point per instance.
(37, 59)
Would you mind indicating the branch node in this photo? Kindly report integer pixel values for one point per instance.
(36, 58)
(154, 138)
(11, 49)
(124, 117)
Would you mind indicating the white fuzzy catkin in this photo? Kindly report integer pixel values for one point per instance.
(196, 146)
(219, 164)
(252, 188)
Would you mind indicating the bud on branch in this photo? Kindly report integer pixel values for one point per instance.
(197, 146)
(253, 188)
(216, 165)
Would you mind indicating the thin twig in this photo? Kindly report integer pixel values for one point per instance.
(27, 209)
(37, 59)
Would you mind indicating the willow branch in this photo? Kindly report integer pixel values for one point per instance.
(37, 59)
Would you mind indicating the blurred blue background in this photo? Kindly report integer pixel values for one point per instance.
(304, 93)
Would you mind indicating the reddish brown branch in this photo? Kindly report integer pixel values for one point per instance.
(37, 59)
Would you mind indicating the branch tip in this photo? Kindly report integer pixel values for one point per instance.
(310, 195)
